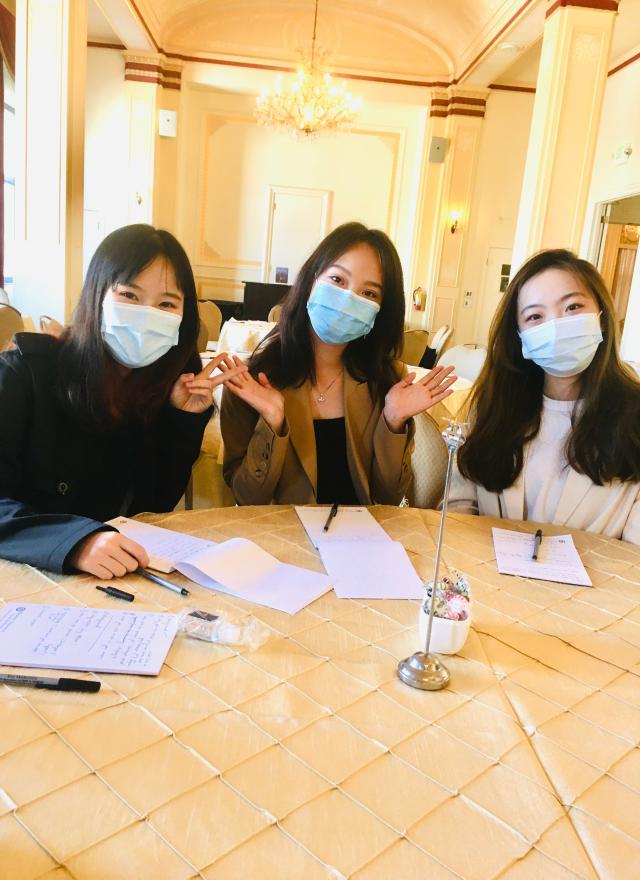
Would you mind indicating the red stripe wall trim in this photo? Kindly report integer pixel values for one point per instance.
(502, 88)
(624, 64)
(608, 5)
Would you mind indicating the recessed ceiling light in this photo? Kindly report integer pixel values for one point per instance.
(510, 46)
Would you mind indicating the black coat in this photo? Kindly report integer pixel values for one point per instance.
(60, 481)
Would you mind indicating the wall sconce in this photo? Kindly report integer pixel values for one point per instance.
(455, 221)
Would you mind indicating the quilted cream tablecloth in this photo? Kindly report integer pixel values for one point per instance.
(308, 759)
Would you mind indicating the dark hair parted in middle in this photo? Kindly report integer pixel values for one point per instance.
(286, 355)
(507, 402)
(92, 387)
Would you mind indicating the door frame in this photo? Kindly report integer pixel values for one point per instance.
(272, 192)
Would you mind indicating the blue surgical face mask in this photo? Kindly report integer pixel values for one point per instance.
(563, 346)
(137, 336)
(338, 315)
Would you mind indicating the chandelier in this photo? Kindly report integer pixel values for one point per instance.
(312, 103)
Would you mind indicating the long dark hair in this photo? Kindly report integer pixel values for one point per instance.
(506, 406)
(286, 355)
(91, 386)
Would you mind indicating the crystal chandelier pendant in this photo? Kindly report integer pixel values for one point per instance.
(314, 103)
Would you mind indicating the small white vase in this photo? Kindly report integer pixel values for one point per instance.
(447, 636)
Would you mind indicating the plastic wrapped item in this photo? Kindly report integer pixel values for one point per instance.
(452, 614)
(244, 631)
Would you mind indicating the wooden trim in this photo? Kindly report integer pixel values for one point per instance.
(608, 5)
(624, 64)
(461, 111)
(516, 15)
(156, 74)
(278, 68)
(151, 80)
(138, 65)
(502, 88)
(144, 25)
(95, 44)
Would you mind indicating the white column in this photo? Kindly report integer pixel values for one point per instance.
(51, 50)
(564, 127)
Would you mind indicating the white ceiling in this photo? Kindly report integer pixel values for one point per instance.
(408, 39)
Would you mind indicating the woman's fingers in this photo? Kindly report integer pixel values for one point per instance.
(221, 378)
(408, 379)
(437, 375)
(135, 552)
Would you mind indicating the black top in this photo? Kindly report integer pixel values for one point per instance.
(59, 480)
(335, 485)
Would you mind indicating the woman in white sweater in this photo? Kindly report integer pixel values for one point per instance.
(556, 414)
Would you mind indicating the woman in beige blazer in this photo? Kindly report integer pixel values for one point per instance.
(556, 430)
(325, 412)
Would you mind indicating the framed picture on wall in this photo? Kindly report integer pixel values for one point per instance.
(282, 275)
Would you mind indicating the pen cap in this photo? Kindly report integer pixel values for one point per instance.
(71, 684)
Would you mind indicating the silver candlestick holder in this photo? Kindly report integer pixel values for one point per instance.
(424, 670)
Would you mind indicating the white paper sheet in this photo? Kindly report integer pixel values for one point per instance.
(85, 639)
(241, 568)
(370, 570)
(164, 546)
(349, 524)
(558, 560)
(238, 567)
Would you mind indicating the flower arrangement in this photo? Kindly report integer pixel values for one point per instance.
(452, 597)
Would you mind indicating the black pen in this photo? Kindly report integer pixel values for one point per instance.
(332, 513)
(116, 593)
(536, 544)
(51, 684)
(163, 583)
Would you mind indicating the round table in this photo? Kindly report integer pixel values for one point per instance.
(309, 758)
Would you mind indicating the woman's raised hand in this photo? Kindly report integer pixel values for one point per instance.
(261, 395)
(407, 398)
(192, 393)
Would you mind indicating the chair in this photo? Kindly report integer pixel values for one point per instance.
(10, 324)
(274, 313)
(428, 463)
(50, 326)
(440, 338)
(414, 345)
(211, 317)
(467, 361)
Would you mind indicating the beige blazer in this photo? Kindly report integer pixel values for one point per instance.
(261, 467)
(612, 510)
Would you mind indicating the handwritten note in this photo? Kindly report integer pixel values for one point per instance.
(558, 560)
(238, 566)
(164, 546)
(85, 639)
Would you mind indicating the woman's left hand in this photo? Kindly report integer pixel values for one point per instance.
(407, 398)
(193, 393)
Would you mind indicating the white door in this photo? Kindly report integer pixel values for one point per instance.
(297, 222)
(496, 277)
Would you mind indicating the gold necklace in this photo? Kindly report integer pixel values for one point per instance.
(322, 395)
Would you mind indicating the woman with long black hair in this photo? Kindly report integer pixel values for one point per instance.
(556, 414)
(325, 412)
(105, 420)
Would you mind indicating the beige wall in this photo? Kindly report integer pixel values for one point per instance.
(227, 162)
(620, 125)
(495, 200)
